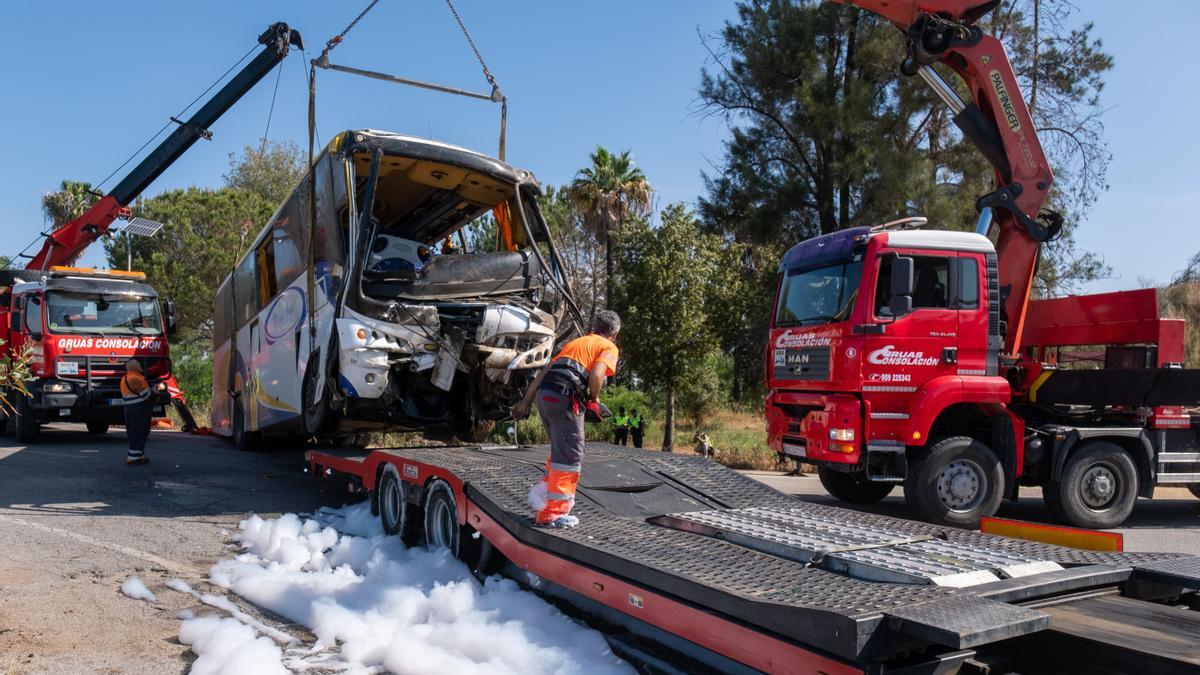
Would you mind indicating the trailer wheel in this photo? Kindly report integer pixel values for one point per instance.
(955, 482)
(246, 441)
(1098, 488)
(97, 428)
(398, 515)
(25, 427)
(853, 488)
(442, 528)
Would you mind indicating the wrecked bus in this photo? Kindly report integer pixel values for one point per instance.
(352, 314)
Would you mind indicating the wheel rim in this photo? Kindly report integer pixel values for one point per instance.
(1098, 488)
(443, 525)
(392, 506)
(961, 486)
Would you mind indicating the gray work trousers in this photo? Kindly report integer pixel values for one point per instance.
(562, 417)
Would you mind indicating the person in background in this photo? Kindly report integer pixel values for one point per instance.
(621, 427)
(564, 390)
(637, 427)
(135, 395)
(703, 446)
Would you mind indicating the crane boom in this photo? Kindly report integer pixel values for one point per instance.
(64, 245)
(996, 120)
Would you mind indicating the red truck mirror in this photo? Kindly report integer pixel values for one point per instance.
(901, 302)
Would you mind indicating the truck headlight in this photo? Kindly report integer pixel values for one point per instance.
(57, 388)
(841, 434)
(162, 386)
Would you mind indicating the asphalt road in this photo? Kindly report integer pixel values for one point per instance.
(75, 523)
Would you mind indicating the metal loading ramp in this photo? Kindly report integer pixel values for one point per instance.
(851, 585)
(869, 553)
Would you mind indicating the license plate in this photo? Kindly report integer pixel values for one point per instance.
(68, 368)
(793, 450)
(64, 412)
(116, 401)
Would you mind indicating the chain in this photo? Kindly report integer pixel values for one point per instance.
(337, 39)
(486, 73)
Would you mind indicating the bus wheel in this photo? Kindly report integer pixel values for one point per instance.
(1098, 488)
(853, 488)
(442, 528)
(318, 418)
(398, 515)
(955, 482)
(25, 427)
(244, 440)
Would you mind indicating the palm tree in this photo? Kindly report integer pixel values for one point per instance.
(607, 194)
(70, 201)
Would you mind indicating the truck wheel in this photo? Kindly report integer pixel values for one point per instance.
(1194, 488)
(25, 428)
(853, 488)
(442, 528)
(1098, 488)
(955, 482)
(244, 440)
(398, 515)
(97, 428)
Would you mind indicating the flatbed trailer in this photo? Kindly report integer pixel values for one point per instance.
(727, 572)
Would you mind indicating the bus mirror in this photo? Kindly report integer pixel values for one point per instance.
(169, 310)
(901, 302)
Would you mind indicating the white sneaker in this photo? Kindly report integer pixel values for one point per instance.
(562, 522)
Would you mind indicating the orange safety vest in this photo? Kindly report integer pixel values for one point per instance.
(134, 388)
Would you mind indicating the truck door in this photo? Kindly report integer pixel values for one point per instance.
(916, 347)
(966, 280)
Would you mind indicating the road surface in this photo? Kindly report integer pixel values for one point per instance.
(75, 523)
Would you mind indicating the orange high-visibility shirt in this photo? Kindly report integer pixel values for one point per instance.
(589, 350)
(133, 384)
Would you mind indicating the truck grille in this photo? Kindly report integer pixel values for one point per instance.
(806, 363)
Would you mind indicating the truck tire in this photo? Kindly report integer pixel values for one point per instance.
(956, 481)
(398, 516)
(1098, 488)
(1194, 488)
(442, 528)
(246, 441)
(25, 427)
(97, 428)
(852, 488)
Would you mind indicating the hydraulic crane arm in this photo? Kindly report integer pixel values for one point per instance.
(65, 244)
(996, 120)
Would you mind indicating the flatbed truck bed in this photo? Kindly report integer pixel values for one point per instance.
(748, 578)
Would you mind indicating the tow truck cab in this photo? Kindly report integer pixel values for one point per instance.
(875, 332)
(79, 327)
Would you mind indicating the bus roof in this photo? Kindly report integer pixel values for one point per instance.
(425, 149)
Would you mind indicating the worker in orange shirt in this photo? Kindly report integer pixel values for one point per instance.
(135, 395)
(564, 391)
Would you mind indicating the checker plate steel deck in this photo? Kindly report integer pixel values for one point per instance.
(878, 596)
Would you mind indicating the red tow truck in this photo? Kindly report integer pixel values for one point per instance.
(79, 326)
(902, 355)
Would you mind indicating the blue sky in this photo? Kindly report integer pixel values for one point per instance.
(86, 83)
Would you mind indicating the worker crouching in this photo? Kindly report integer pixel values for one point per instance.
(563, 393)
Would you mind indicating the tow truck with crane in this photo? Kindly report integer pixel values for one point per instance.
(79, 326)
(691, 567)
(901, 355)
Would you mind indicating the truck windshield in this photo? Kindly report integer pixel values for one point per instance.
(817, 296)
(102, 314)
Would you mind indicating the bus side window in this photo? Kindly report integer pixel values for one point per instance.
(222, 311)
(264, 262)
(329, 246)
(290, 234)
(245, 292)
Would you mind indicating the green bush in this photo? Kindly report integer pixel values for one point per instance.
(194, 370)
